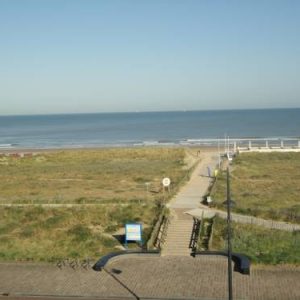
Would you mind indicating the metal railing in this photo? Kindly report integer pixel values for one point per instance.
(162, 233)
(195, 235)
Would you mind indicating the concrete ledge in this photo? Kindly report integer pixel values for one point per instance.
(241, 261)
(267, 150)
(101, 263)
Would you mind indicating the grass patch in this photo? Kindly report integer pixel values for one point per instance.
(48, 234)
(89, 176)
(261, 245)
(113, 178)
(263, 184)
(205, 234)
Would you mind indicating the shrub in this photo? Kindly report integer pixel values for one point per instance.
(80, 233)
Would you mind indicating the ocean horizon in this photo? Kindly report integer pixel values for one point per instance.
(118, 129)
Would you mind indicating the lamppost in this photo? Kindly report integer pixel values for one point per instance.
(229, 203)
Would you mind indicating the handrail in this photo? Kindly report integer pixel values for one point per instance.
(163, 232)
(195, 234)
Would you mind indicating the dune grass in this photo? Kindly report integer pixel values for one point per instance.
(261, 245)
(88, 176)
(112, 179)
(50, 234)
(263, 184)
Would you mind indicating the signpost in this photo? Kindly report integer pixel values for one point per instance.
(166, 184)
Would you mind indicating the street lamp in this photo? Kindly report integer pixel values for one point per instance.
(229, 203)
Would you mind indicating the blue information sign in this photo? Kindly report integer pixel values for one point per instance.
(133, 232)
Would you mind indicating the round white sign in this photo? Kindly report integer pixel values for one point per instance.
(166, 181)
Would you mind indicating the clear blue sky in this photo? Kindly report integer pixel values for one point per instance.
(61, 56)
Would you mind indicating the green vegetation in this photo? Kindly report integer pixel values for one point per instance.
(263, 184)
(49, 234)
(112, 179)
(205, 232)
(267, 246)
(88, 176)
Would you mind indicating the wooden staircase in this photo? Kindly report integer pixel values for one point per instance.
(178, 235)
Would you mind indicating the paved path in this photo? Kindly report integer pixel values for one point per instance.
(258, 221)
(189, 197)
(170, 277)
(191, 194)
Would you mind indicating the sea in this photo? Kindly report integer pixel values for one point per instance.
(140, 129)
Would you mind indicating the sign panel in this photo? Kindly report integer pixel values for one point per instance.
(133, 232)
(166, 182)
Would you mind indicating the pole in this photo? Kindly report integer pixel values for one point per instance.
(219, 155)
(228, 146)
(229, 254)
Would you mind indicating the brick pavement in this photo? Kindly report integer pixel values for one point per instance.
(43, 279)
(168, 277)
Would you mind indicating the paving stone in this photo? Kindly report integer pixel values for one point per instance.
(169, 277)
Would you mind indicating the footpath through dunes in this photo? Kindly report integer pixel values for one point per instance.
(180, 226)
(189, 197)
(257, 221)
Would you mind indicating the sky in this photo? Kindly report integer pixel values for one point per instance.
(71, 56)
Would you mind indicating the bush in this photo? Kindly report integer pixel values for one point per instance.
(261, 245)
(264, 185)
(80, 233)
